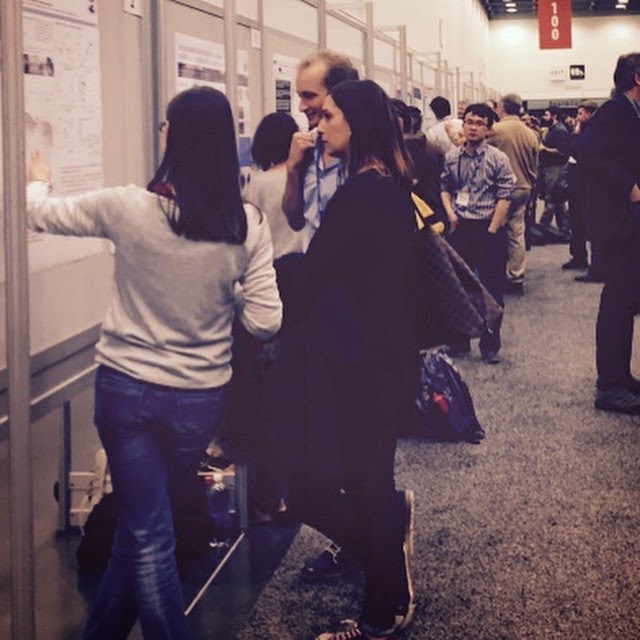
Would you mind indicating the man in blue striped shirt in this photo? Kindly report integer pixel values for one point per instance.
(477, 185)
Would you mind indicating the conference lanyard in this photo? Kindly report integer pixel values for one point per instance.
(321, 177)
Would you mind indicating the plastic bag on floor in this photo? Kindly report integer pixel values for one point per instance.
(445, 407)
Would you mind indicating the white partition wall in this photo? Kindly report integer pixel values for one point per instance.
(517, 63)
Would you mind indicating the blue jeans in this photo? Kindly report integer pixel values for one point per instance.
(154, 437)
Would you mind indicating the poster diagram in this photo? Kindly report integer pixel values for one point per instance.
(201, 62)
(63, 106)
(63, 111)
(244, 109)
(284, 77)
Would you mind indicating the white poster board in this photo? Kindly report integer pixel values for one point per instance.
(284, 79)
(63, 103)
(201, 62)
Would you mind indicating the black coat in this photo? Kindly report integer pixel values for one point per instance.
(356, 291)
(609, 157)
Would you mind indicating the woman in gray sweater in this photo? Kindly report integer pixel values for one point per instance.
(188, 257)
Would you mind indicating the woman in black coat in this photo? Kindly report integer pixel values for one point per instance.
(360, 356)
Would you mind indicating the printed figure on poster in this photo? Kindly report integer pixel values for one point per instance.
(63, 106)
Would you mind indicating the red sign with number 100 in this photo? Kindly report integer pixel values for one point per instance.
(554, 24)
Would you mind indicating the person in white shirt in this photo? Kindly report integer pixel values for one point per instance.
(270, 150)
(447, 132)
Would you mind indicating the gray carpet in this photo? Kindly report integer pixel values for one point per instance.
(531, 535)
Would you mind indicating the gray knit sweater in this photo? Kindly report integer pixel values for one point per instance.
(173, 300)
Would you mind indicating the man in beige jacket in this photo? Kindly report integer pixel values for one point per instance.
(520, 144)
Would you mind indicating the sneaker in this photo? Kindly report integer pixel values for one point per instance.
(407, 605)
(408, 500)
(589, 277)
(618, 400)
(633, 385)
(334, 562)
(349, 630)
(575, 264)
(514, 289)
(460, 347)
(491, 357)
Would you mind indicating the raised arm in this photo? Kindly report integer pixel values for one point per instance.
(299, 158)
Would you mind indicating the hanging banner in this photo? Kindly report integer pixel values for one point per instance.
(554, 24)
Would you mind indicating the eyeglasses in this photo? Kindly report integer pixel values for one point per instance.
(162, 126)
(475, 123)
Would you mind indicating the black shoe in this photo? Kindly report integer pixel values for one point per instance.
(587, 277)
(514, 288)
(618, 400)
(331, 564)
(491, 357)
(575, 264)
(633, 385)
(459, 348)
(407, 605)
(553, 236)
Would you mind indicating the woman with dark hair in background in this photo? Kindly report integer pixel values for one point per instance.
(260, 370)
(360, 355)
(270, 150)
(188, 257)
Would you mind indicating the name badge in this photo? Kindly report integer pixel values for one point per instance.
(462, 199)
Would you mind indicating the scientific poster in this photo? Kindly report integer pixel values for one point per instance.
(244, 105)
(201, 62)
(286, 98)
(63, 104)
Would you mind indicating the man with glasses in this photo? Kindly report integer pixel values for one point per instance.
(477, 186)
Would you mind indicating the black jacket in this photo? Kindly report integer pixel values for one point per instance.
(356, 291)
(609, 156)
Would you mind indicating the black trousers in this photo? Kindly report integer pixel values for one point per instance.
(578, 242)
(349, 494)
(486, 254)
(619, 302)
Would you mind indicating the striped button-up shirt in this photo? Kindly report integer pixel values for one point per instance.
(486, 177)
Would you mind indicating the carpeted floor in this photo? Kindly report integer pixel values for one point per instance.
(531, 535)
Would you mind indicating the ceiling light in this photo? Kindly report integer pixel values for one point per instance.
(618, 6)
(511, 10)
(510, 5)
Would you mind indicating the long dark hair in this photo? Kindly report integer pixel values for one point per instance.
(272, 139)
(200, 168)
(375, 133)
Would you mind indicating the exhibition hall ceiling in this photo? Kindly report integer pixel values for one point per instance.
(510, 9)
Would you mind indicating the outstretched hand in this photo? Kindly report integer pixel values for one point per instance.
(37, 168)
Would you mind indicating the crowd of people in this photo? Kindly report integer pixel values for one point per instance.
(297, 294)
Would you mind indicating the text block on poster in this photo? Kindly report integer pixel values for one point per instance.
(554, 24)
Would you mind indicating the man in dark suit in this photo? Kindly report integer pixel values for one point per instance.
(612, 214)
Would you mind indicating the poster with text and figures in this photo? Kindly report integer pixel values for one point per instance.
(201, 62)
(63, 103)
(284, 78)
